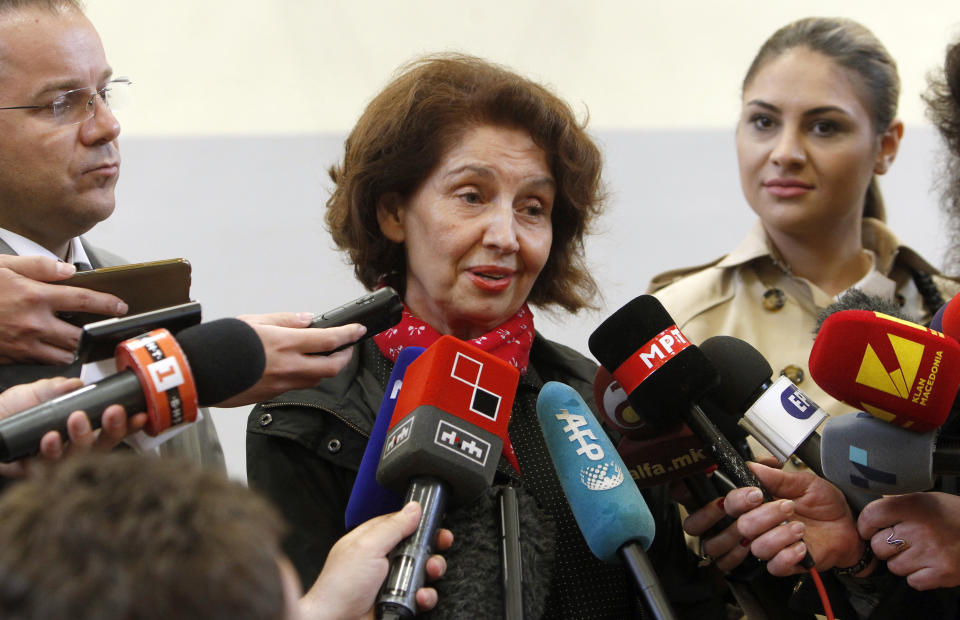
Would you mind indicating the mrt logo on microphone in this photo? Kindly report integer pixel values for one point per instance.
(650, 357)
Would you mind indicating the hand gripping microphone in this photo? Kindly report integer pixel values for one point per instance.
(611, 513)
(444, 441)
(367, 498)
(861, 453)
(666, 377)
(900, 372)
(167, 377)
(777, 413)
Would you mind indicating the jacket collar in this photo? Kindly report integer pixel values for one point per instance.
(877, 237)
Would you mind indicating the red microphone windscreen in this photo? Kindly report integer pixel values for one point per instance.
(898, 371)
(659, 460)
(460, 379)
(615, 408)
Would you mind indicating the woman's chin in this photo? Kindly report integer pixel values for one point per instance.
(475, 324)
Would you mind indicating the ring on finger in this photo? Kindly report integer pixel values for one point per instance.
(705, 558)
(892, 539)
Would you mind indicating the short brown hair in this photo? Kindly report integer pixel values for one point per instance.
(408, 127)
(127, 536)
(852, 46)
(49, 5)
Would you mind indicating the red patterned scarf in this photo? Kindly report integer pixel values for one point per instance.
(510, 341)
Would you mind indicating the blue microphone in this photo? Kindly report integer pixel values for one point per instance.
(368, 499)
(612, 514)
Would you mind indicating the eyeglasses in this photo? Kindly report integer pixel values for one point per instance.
(77, 106)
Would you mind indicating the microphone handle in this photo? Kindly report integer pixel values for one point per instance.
(809, 453)
(946, 455)
(723, 452)
(511, 558)
(20, 433)
(408, 560)
(646, 579)
(728, 459)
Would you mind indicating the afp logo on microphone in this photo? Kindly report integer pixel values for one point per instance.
(599, 476)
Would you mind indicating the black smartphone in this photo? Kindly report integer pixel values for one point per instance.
(377, 311)
(99, 339)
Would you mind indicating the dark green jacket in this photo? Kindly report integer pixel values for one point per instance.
(304, 449)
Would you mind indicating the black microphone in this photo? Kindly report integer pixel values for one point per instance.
(667, 377)
(777, 413)
(169, 378)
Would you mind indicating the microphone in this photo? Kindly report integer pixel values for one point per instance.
(936, 323)
(367, 498)
(778, 414)
(671, 456)
(666, 377)
(861, 453)
(652, 459)
(900, 372)
(443, 443)
(636, 343)
(614, 405)
(947, 318)
(167, 377)
(611, 513)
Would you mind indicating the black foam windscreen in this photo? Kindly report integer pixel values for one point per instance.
(618, 337)
(226, 357)
(635, 334)
(744, 372)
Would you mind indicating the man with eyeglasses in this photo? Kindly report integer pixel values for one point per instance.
(59, 164)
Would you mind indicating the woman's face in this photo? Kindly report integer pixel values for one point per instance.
(806, 144)
(477, 232)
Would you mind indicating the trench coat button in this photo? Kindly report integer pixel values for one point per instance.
(265, 419)
(794, 373)
(774, 299)
(333, 446)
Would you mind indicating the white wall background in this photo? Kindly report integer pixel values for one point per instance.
(241, 105)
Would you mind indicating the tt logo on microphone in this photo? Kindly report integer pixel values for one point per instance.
(858, 458)
(574, 423)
